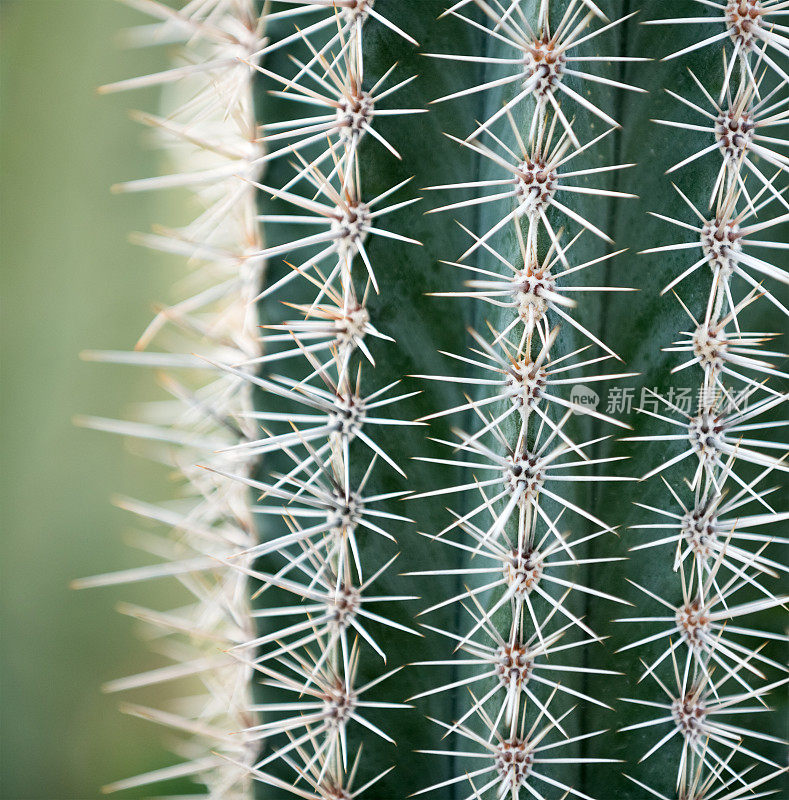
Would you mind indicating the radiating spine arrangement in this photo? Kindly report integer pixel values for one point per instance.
(279, 425)
(516, 617)
(310, 651)
(210, 132)
(715, 530)
(297, 741)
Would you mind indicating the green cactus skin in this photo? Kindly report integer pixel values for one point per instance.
(403, 311)
(634, 324)
(657, 319)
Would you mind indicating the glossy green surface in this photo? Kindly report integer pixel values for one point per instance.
(639, 326)
(636, 325)
(420, 325)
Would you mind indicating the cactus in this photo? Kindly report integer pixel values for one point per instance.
(404, 262)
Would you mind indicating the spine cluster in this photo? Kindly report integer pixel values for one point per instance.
(322, 418)
(308, 652)
(516, 607)
(274, 423)
(209, 131)
(717, 527)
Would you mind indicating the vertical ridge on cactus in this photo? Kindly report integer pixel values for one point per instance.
(523, 433)
(704, 649)
(210, 129)
(450, 634)
(320, 496)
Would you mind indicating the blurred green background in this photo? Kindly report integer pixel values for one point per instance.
(71, 281)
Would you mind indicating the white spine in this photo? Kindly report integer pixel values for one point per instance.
(711, 665)
(209, 130)
(517, 615)
(309, 653)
